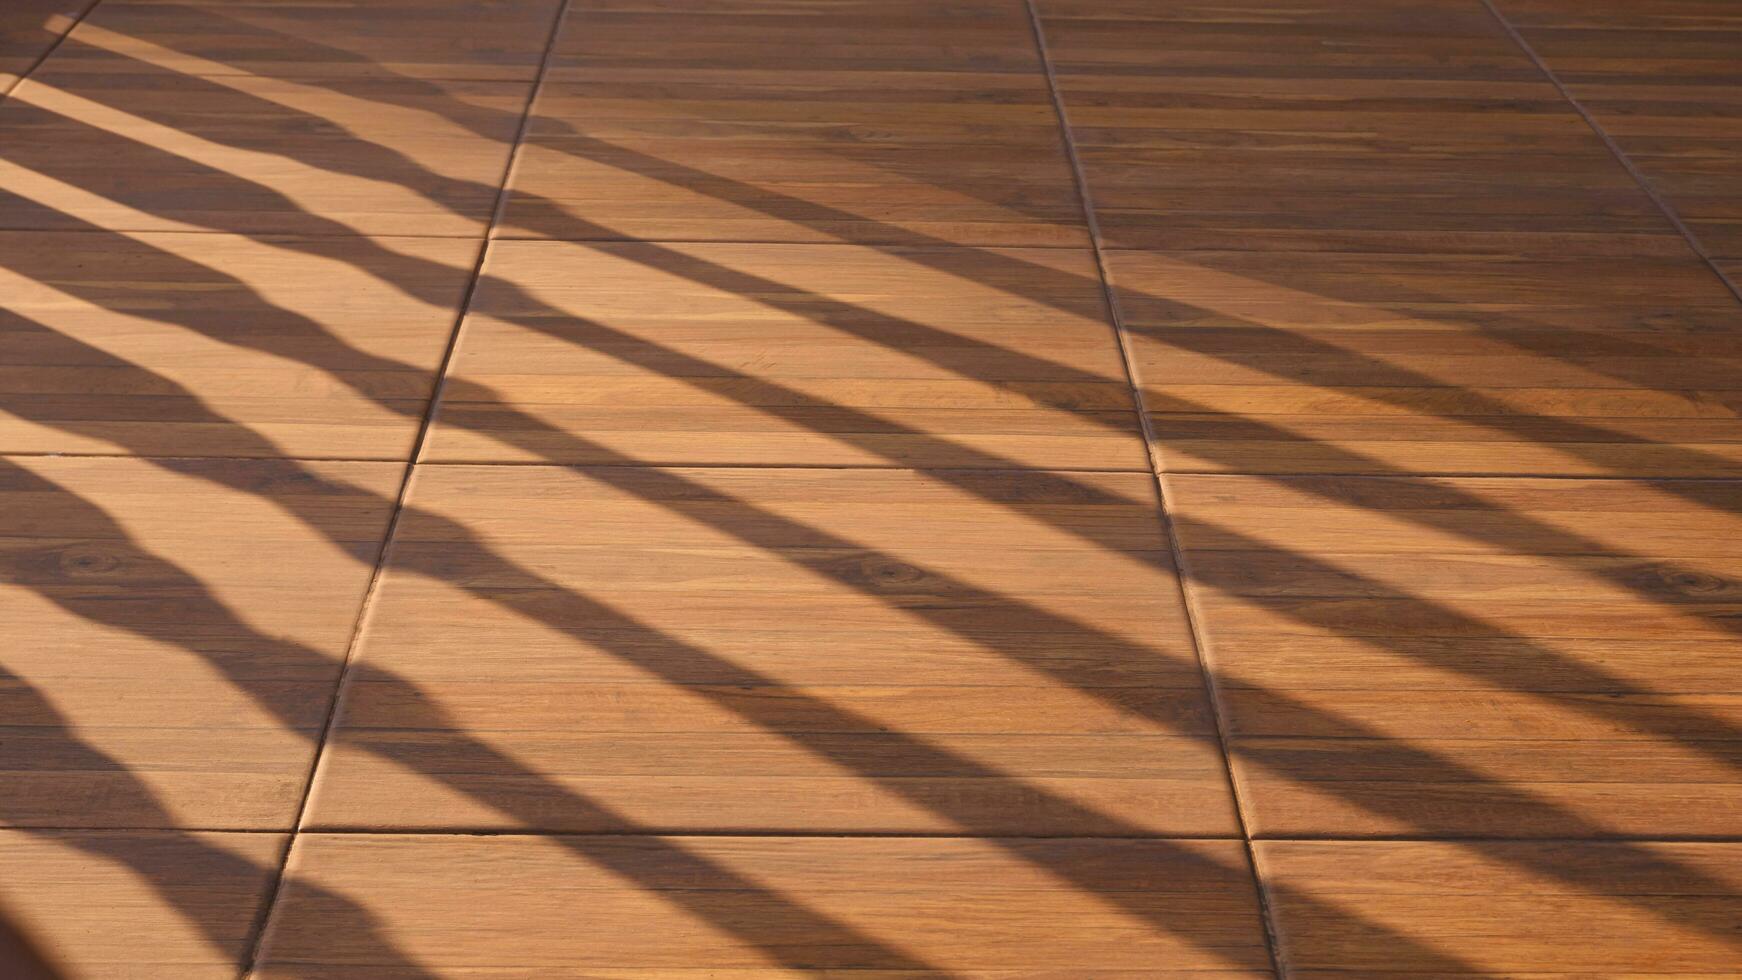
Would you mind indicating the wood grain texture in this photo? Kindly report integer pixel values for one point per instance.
(1387, 125)
(1299, 362)
(1663, 78)
(900, 121)
(1630, 919)
(1518, 658)
(28, 29)
(787, 354)
(191, 344)
(429, 39)
(147, 148)
(185, 620)
(827, 622)
(496, 906)
(139, 905)
(780, 650)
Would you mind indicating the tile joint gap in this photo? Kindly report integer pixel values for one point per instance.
(55, 45)
(1662, 204)
(1128, 361)
(275, 886)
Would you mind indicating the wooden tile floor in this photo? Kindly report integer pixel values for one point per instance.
(871, 489)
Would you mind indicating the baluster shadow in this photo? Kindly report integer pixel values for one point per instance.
(277, 336)
(762, 287)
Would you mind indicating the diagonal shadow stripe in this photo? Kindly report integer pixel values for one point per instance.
(1382, 382)
(858, 322)
(197, 604)
(177, 891)
(855, 321)
(762, 529)
(23, 955)
(754, 392)
(676, 660)
(1459, 776)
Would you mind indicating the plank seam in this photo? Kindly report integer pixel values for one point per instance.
(1129, 363)
(53, 46)
(275, 887)
(1663, 206)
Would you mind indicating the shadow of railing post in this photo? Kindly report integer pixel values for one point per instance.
(323, 359)
(752, 518)
(21, 956)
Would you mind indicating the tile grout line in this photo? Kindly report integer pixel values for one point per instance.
(751, 833)
(286, 233)
(895, 468)
(1165, 518)
(53, 46)
(1663, 206)
(707, 833)
(275, 888)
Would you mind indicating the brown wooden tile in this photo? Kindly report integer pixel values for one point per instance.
(963, 37)
(1347, 362)
(432, 39)
(771, 907)
(185, 620)
(139, 905)
(1297, 125)
(899, 121)
(151, 149)
(1472, 657)
(779, 650)
(776, 354)
(190, 344)
(1367, 237)
(1607, 910)
(28, 29)
(1664, 79)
